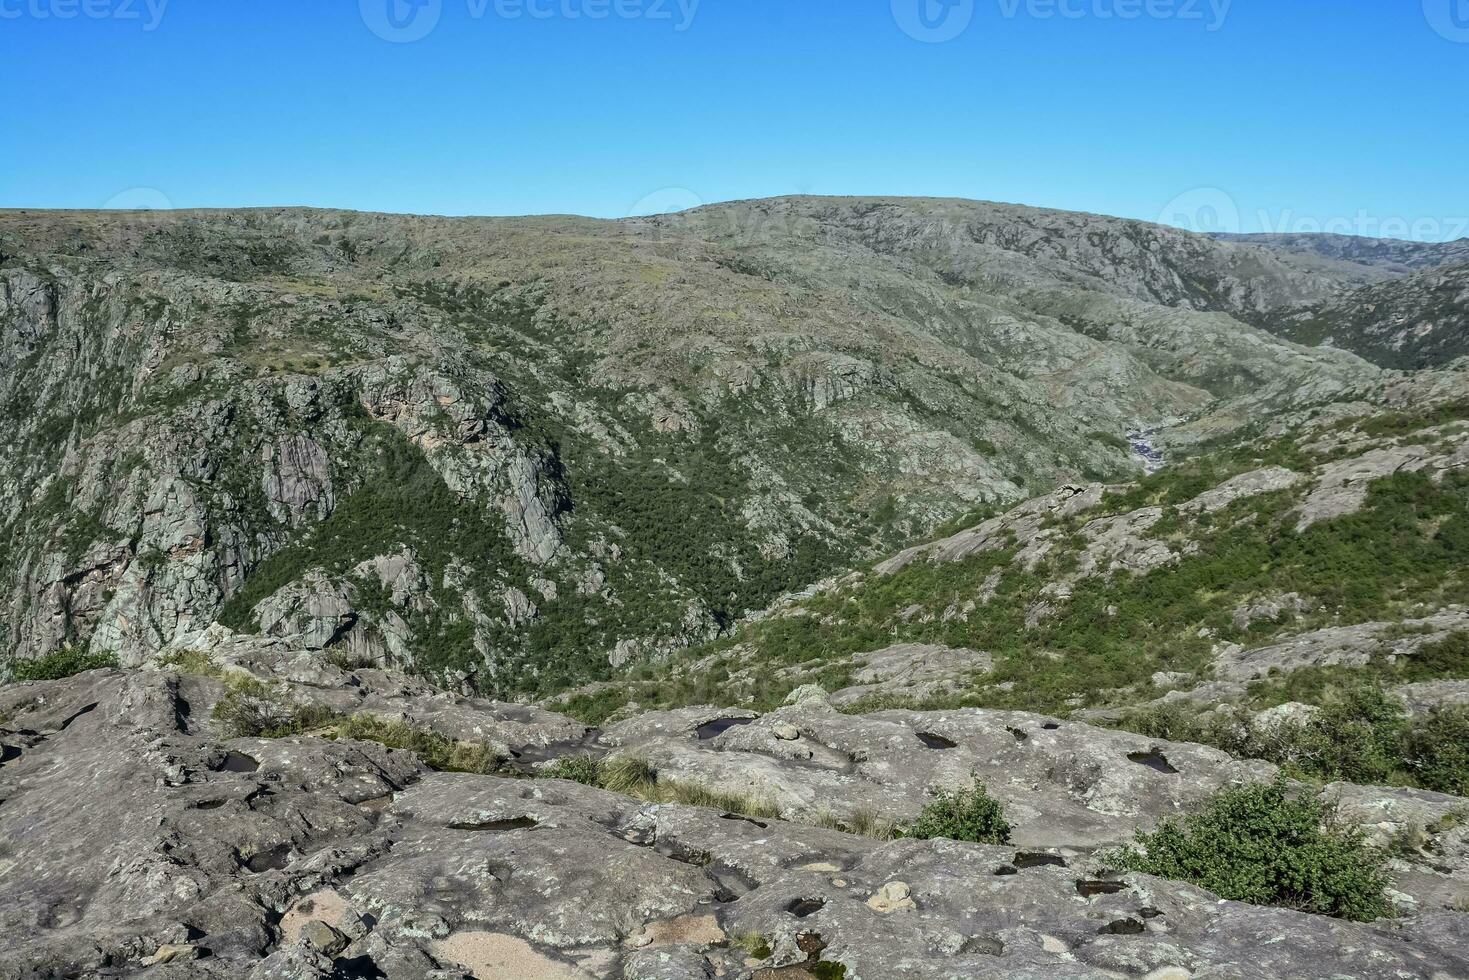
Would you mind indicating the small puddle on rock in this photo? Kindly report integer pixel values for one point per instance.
(272, 860)
(8, 753)
(496, 826)
(1156, 761)
(1122, 927)
(744, 819)
(717, 727)
(210, 804)
(731, 884)
(803, 907)
(1035, 859)
(356, 968)
(1092, 888)
(936, 741)
(1020, 737)
(237, 762)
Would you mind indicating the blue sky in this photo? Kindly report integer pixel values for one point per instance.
(1257, 114)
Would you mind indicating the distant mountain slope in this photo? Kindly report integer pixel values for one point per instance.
(1415, 321)
(1386, 255)
(514, 452)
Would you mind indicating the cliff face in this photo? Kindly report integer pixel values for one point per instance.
(511, 453)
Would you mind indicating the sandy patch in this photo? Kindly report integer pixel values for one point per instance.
(323, 906)
(495, 956)
(686, 930)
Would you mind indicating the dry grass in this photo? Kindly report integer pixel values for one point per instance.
(862, 823)
(636, 777)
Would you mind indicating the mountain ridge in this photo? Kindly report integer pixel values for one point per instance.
(542, 377)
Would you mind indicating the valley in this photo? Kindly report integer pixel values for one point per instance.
(790, 589)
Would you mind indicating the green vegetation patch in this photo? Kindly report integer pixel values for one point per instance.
(65, 662)
(1360, 734)
(253, 709)
(967, 815)
(1256, 844)
(1409, 544)
(436, 751)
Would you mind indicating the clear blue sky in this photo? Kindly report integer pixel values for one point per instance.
(1286, 111)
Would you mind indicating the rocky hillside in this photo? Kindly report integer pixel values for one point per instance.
(1411, 310)
(784, 590)
(1323, 570)
(512, 454)
(1373, 257)
(1417, 321)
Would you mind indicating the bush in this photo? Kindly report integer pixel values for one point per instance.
(62, 663)
(753, 944)
(191, 662)
(1361, 735)
(1437, 751)
(968, 815)
(1357, 737)
(1255, 844)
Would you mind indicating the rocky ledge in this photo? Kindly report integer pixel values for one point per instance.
(143, 840)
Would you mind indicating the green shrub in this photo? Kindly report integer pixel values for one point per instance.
(968, 815)
(753, 944)
(1437, 751)
(63, 663)
(1357, 736)
(1361, 735)
(1448, 657)
(1255, 844)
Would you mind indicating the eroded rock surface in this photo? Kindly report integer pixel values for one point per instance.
(1069, 784)
(1350, 646)
(911, 670)
(141, 842)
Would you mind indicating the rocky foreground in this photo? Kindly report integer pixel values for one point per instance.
(142, 840)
